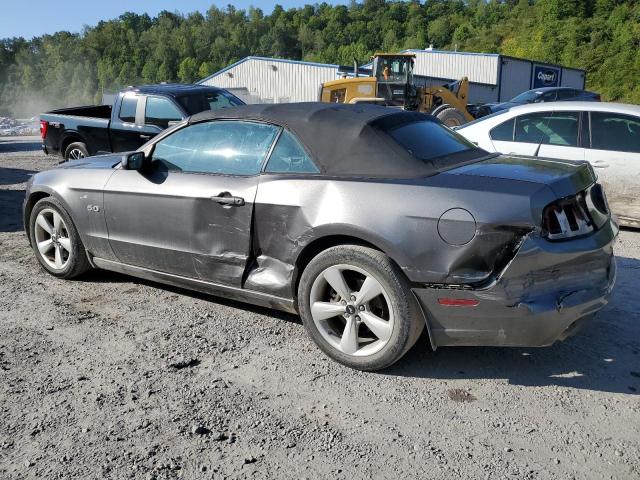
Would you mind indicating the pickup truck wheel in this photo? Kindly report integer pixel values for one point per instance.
(358, 308)
(76, 151)
(56, 241)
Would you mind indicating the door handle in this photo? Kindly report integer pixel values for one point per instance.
(600, 164)
(145, 137)
(225, 198)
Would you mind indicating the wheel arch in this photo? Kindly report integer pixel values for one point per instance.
(34, 197)
(69, 137)
(333, 239)
(30, 202)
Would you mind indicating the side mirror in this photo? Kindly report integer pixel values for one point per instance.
(133, 161)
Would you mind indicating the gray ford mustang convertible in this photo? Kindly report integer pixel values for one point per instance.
(372, 223)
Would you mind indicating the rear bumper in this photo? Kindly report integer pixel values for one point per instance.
(539, 297)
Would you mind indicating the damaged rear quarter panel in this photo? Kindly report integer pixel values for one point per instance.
(399, 218)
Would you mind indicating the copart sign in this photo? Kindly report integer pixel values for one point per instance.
(544, 76)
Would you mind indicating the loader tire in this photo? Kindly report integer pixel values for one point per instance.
(451, 117)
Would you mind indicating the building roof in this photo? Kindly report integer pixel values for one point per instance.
(344, 139)
(267, 59)
(171, 88)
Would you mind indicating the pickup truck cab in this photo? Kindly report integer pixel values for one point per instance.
(137, 115)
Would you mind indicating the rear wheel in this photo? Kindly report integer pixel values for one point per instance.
(357, 306)
(451, 117)
(76, 151)
(56, 241)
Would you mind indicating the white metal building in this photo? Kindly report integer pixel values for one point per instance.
(493, 77)
(274, 80)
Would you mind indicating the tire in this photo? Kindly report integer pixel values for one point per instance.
(392, 320)
(76, 151)
(451, 117)
(64, 240)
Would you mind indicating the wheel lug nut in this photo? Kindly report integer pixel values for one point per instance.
(344, 302)
(353, 298)
(361, 308)
(357, 318)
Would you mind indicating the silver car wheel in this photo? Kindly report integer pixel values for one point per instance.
(52, 239)
(351, 310)
(76, 154)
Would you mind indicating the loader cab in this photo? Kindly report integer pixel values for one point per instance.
(394, 79)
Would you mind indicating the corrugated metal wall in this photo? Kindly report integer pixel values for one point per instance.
(573, 78)
(478, 93)
(275, 81)
(479, 68)
(278, 81)
(515, 78)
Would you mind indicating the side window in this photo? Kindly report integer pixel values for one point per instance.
(549, 96)
(160, 112)
(217, 101)
(552, 128)
(288, 156)
(128, 109)
(503, 132)
(567, 94)
(220, 147)
(620, 133)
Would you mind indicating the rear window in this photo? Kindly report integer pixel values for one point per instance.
(213, 100)
(428, 139)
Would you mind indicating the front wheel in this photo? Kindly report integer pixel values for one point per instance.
(56, 241)
(357, 306)
(451, 117)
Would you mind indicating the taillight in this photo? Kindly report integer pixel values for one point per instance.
(575, 215)
(44, 126)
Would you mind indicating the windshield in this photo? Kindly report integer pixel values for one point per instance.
(208, 100)
(527, 97)
(393, 70)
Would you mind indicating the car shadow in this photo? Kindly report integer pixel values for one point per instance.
(17, 144)
(602, 356)
(11, 210)
(11, 176)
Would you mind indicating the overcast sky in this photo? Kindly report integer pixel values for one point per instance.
(30, 18)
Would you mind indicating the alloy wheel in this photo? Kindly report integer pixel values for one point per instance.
(76, 154)
(351, 310)
(52, 239)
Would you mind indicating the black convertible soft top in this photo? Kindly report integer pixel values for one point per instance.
(348, 140)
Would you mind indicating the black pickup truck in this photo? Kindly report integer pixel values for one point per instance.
(137, 114)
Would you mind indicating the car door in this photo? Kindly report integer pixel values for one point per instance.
(125, 127)
(159, 113)
(544, 134)
(189, 211)
(614, 152)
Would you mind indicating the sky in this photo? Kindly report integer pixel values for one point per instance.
(31, 18)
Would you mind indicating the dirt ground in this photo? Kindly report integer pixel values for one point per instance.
(114, 377)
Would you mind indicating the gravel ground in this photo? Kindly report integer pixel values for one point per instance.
(114, 377)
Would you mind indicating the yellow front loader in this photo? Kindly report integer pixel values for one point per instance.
(391, 83)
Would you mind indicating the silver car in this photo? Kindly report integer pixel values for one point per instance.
(372, 223)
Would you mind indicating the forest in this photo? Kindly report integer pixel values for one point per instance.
(64, 68)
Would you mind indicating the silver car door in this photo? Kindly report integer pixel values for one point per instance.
(615, 155)
(189, 211)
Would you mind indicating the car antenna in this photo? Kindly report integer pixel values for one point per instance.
(535, 154)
